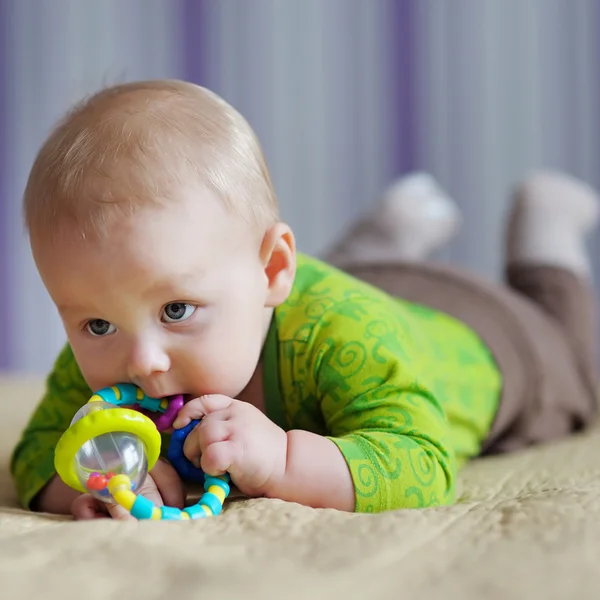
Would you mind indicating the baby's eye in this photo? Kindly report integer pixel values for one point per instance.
(178, 311)
(100, 327)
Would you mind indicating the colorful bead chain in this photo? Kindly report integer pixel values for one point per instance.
(216, 489)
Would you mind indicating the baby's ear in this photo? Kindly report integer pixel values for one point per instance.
(278, 255)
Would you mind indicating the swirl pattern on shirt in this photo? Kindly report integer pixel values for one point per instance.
(406, 393)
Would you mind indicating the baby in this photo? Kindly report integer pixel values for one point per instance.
(155, 229)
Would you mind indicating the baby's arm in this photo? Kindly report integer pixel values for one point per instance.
(392, 462)
(262, 459)
(316, 474)
(387, 432)
(32, 464)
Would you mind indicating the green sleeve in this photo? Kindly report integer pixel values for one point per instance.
(32, 463)
(382, 415)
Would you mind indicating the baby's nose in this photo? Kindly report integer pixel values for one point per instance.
(147, 358)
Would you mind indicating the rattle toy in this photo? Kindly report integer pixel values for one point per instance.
(114, 440)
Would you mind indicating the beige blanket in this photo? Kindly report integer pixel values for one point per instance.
(527, 526)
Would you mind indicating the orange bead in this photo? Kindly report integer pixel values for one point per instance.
(96, 482)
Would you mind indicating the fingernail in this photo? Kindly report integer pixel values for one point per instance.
(178, 423)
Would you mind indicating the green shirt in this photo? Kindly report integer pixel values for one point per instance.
(406, 393)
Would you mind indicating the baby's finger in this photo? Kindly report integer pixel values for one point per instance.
(200, 407)
(218, 458)
(209, 431)
(119, 513)
(87, 507)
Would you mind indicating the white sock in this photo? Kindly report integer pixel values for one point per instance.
(414, 219)
(550, 221)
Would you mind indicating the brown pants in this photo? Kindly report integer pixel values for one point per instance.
(540, 328)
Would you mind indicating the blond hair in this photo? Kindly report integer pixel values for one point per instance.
(135, 144)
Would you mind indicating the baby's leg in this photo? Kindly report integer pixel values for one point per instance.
(547, 259)
(414, 219)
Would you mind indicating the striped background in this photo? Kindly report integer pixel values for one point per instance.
(345, 95)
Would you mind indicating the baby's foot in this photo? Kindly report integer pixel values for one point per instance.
(414, 219)
(552, 216)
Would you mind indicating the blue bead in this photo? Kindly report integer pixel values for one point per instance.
(212, 502)
(108, 395)
(128, 394)
(196, 511)
(170, 513)
(142, 508)
(151, 404)
(127, 391)
(218, 481)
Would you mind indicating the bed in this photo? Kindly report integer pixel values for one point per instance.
(526, 526)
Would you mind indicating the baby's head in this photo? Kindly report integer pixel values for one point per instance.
(154, 226)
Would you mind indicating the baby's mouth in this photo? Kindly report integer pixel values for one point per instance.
(186, 397)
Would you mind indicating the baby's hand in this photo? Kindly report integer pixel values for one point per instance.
(237, 438)
(162, 486)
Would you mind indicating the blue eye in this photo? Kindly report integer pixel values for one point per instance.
(175, 312)
(100, 327)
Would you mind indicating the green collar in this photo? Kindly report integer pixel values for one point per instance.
(271, 385)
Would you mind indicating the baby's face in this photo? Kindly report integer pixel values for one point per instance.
(174, 300)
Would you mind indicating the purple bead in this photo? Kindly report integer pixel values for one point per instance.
(166, 420)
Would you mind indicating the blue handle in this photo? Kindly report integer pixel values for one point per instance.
(181, 464)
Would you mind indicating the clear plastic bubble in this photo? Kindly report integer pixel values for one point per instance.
(116, 452)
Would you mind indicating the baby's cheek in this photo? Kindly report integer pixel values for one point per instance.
(204, 367)
(100, 373)
(227, 372)
(226, 351)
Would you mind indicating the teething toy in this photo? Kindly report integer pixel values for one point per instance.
(114, 440)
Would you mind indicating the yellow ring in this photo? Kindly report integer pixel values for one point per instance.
(94, 424)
